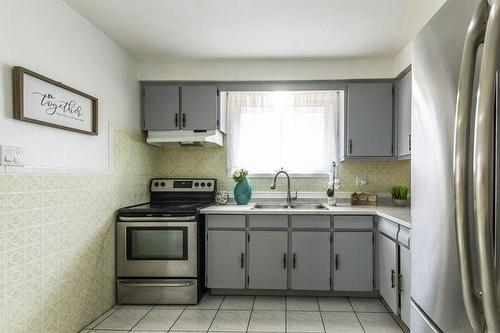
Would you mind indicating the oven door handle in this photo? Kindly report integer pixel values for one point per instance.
(157, 284)
(157, 218)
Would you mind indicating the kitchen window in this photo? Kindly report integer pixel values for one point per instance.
(293, 130)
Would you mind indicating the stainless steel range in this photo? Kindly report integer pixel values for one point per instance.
(160, 244)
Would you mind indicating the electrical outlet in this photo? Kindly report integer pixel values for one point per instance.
(11, 155)
(360, 180)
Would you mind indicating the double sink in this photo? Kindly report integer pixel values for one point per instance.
(306, 206)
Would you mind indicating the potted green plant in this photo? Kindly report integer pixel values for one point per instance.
(242, 189)
(400, 195)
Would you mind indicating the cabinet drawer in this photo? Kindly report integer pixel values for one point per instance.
(389, 228)
(353, 222)
(226, 221)
(315, 222)
(268, 221)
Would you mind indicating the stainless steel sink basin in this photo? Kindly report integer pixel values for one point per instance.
(307, 206)
(313, 206)
(270, 206)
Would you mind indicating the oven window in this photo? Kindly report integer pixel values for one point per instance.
(157, 243)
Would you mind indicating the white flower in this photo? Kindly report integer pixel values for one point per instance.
(237, 174)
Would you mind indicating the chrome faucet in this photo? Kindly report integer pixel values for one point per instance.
(273, 186)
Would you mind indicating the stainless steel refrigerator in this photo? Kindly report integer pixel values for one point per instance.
(455, 241)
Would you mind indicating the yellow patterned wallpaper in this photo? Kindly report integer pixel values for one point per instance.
(57, 270)
(212, 162)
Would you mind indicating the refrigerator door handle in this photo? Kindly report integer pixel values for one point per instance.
(461, 167)
(484, 168)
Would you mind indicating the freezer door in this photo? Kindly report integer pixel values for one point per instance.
(435, 277)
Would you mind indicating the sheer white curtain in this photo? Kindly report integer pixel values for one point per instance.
(293, 130)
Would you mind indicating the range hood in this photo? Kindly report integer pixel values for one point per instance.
(212, 138)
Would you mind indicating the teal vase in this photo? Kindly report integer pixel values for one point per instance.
(242, 192)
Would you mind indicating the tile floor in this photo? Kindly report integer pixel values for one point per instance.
(252, 314)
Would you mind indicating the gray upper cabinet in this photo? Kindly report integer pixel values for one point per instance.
(387, 260)
(160, 107)
(403, 108)
(310, 260)
(267, 262)
(226, 259)
(199, 107)
(370, 119)
(353, 261)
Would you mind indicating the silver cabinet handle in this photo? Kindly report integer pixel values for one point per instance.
(155, 284)
(336, 262)
(158, 218)
(409, 142)
(350, 146)
(461, 167)
(393, 278)
(242, 261)
(294, 261)
(484, 170)
(284, 260)
(176, 120)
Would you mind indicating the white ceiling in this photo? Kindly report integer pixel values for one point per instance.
(247, 29)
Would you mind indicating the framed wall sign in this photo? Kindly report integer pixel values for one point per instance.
(40, 100)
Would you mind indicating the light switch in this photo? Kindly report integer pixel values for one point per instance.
(360, 180)
(11, 155)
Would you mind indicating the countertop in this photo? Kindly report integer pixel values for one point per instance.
(396, 214)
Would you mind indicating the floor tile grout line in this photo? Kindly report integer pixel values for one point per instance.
(90, 329)
(141, 318)
(177, 319)
(216, 312)
(251, 312)
(356, 314)
(321, 315)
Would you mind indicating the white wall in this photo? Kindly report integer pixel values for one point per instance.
(50, 38)
(255, 70)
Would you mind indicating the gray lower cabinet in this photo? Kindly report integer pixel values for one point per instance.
(403, 107)
(404, 287)
(199, 107)
(226, 259)
(353, 261)
(267, 260)
(370, 119)
(388, 263)
(310, 260)
(160, 107)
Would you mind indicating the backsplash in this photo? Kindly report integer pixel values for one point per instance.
(212, 162)
(57, 264)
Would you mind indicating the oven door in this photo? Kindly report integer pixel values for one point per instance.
(157, 248)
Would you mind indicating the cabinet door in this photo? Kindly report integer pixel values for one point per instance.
(369, 119)
(388, 271)
(160, 107)
(267, 259)
(403, 100)
(404, 270)
(199, 107)
(310, 258)
(226, 259)
(353, 261)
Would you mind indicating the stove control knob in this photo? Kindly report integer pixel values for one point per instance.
(202, 184)
(209, 184)
(196, 184)
(157, 184)
(162, 184)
